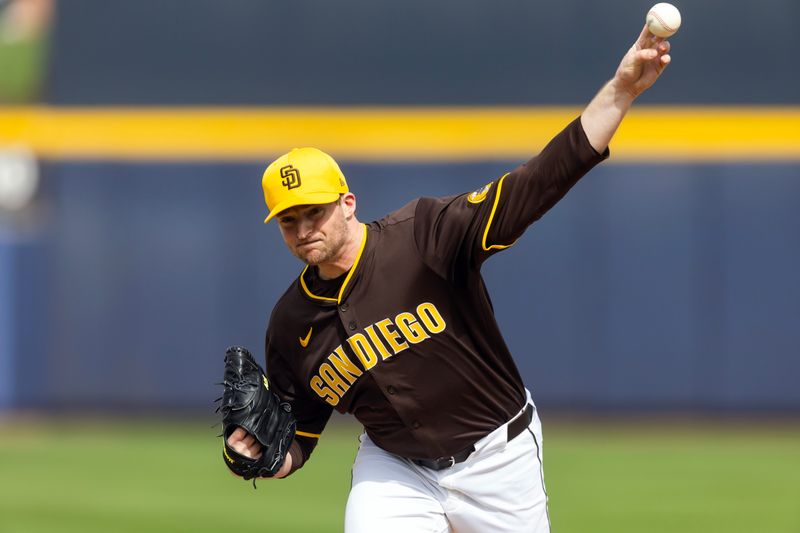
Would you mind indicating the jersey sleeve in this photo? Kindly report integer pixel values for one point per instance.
(312, 416)
(465, 230)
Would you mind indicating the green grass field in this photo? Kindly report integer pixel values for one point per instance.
(617, 477)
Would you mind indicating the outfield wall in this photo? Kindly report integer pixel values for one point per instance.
(670, 286)
(667, 279)
(345, 52)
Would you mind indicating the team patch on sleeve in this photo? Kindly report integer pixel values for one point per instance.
(478, 196)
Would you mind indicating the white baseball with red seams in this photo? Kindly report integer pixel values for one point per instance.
(663, 19)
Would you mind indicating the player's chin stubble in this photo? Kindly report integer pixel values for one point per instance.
(316, 256)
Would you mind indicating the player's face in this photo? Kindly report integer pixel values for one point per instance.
(315, 234)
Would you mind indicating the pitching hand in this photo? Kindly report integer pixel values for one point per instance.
(643, 64)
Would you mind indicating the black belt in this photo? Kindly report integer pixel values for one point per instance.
(514, 428)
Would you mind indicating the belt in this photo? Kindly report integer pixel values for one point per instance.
(514, 428)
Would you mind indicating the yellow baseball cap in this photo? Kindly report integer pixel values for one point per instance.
(304, 176)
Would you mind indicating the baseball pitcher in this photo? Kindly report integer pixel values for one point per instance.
(390, 321)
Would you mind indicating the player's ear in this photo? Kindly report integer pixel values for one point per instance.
(348, 203)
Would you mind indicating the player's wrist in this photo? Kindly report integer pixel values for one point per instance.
(622, 93)
(286, 469)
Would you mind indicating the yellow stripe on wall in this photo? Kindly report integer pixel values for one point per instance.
(394, 133)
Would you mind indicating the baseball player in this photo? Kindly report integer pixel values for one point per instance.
(391, 321)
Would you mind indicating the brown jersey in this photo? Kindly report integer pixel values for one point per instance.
(407, 340)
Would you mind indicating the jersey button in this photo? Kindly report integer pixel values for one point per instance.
(415, 424)
(352, 325)
(391, 390)
(344, 307)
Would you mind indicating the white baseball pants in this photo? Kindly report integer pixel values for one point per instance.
(499, 488)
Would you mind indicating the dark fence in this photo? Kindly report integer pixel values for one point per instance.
(184, 52)
(670, 286)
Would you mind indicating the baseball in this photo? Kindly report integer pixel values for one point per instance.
(663, 19)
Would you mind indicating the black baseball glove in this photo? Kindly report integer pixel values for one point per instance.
(248, 403)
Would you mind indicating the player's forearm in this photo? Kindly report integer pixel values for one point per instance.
(603, 115)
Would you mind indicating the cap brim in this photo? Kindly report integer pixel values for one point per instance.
(311, 198)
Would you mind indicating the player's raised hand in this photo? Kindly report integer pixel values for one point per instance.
(639, 69)
(643, 63)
